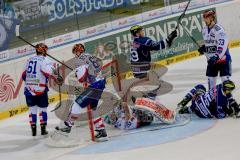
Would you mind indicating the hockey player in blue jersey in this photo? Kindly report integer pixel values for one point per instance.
(215, 49)
(204, 104)
(140, 58)
(141, 50)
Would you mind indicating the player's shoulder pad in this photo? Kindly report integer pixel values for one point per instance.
(218, 27)
(144, 40)
(87, 54)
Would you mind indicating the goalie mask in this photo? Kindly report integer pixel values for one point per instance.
(41, 48)
(228, 86)
(78, 49)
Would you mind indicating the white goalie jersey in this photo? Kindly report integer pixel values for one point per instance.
(144, 112)
(216, 42)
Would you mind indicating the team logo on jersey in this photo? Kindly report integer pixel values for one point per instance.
(7, 88)
(212, 35)
(219, 50)
(211, 49)
(217, 28)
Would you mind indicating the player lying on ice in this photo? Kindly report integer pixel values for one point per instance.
(210, 104)
(142, 113)
(88, 68)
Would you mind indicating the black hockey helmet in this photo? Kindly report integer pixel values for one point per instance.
(228, 86)
(135, 29)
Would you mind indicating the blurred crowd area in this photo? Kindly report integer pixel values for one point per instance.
(43, 19)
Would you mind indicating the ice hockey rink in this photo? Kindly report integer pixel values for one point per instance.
(198, 140)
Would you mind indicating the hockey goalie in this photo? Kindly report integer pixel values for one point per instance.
(143, 112)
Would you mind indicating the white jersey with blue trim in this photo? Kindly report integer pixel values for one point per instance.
(216, 42)
(88, 68)
(36, 73)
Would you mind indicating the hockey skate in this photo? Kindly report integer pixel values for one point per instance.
(101, 135)
(181, 107)
(65, 129)
(43, 129)
(34, 129)
(233, 104)
(183, 110)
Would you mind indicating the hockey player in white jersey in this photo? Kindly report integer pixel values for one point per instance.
(88, 68)
(216, 49)
(36, 73)
(204, 104)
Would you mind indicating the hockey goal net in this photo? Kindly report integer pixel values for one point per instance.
(83, 130)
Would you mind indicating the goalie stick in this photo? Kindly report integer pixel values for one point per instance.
(192, 38)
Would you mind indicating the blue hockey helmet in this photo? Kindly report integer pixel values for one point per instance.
(228, 86)
(200, 89)
(135, 29)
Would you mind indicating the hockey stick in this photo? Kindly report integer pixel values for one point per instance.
(59, 91)
(182, 15)
(19, 36)
(192, 38)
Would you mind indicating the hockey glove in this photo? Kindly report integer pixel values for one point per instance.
(213, 60)
(171, 37)
(202, 49)
(233, 105)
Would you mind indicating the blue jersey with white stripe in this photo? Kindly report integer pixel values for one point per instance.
(206, 106)
(141, 53)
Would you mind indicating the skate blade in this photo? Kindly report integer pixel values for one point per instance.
(103, 139)
(60, 132)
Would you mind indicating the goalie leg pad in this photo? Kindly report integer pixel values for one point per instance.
(158, 110)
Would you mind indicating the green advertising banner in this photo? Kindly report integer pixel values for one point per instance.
(120, 43)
